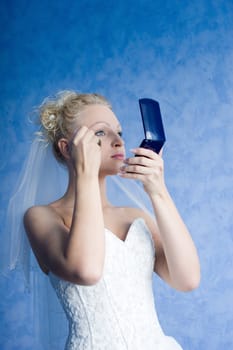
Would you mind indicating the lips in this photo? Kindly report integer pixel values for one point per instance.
(119, 156)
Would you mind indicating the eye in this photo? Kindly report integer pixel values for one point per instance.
(100, 133)
(120, 133)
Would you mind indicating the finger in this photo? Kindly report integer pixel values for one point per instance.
(84, 135)
(143, 161)
(78, 134)
(161, 152)
(137, 169)
(144, 152)
(89, 136)
(132, 176)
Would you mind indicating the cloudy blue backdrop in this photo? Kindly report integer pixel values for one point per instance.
(179, 52)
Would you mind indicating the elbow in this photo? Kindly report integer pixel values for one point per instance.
(189, 287)
(91, 279)
(83, 271)
(193, 279)
(88, 277)
(191, 283)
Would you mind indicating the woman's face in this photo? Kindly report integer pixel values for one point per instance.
(107, 129)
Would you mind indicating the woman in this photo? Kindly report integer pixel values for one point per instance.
(100, 258)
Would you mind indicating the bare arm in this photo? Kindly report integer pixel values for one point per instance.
(85, 246)
(177, 260)
(77, 254)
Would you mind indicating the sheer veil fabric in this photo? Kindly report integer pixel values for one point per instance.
(43, 180)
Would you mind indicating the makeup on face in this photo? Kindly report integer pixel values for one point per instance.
(102, 128)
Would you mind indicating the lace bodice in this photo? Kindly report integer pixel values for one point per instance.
(118, 312)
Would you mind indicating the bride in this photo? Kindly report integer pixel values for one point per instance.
(98, 257)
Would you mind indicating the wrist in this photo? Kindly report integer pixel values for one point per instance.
(161, 194)
(87, 188)
(86, 180)
(82, 174)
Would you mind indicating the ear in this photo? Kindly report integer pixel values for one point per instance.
(64, 148)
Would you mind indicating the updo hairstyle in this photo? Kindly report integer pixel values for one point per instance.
(59, 114)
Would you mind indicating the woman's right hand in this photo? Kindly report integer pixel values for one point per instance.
(85, 152)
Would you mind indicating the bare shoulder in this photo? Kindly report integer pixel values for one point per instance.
(47, 234)
(41, 208)
(40, 213)
(34, 211)
(42, 222)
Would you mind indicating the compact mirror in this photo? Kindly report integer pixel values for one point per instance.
(152, 124)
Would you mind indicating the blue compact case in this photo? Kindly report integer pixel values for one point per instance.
(152, 124)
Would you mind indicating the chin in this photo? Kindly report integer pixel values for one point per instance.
(110, 172)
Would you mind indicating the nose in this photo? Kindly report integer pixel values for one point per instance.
(117, 140)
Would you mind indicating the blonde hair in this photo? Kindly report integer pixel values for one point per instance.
(58, 115)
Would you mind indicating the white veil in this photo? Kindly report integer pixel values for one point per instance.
(43, 180)
(33, 187)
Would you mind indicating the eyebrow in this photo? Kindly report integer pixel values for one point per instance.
(119, 126)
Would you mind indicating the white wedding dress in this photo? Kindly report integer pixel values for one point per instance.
(118, 312)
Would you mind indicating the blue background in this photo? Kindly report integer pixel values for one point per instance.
(178, 52)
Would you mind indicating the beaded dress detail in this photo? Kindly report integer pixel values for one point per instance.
(118, 312)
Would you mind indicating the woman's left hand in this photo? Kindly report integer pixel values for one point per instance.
(146, 167)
